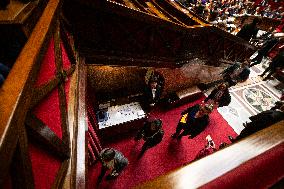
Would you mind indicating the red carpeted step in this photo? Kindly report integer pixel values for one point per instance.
(164, 157)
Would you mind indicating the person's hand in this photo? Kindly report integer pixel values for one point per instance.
(114, 173)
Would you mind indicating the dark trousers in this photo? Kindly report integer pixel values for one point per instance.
(257, 59)
(180, 127)
(271, 71)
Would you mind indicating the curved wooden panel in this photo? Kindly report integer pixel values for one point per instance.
(213, 166)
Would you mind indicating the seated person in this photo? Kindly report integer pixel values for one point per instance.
(112, 160)
(261, 121)
(219, 97)
(153, 92)
(152, 133)
(193, 121)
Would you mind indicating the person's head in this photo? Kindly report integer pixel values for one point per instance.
(153, 82)
(245, 63)
(206, 109)
(108, 155)
(155, 125)
(223, 86)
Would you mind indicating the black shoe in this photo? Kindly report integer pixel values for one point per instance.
(110, 177)
(179, 137)
(231, 139)
(174, 135)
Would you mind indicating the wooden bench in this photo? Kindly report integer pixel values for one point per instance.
(184, 96)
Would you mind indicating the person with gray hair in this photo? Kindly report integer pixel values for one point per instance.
(112, 160)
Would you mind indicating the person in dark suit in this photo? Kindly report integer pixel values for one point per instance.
(219, 97)
(261, 121)
(153, 92)
(236, 73)
(277, 63)
(267, 46)
(112, 160)
(152, 133)
(249, 31)
(193, 121)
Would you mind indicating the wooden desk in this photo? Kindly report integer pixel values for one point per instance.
(121, 118)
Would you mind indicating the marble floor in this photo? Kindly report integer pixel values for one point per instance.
(250, 98)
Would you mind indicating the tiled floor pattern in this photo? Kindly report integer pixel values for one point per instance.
(250, 98)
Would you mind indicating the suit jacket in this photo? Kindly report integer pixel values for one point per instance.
(154, 137)
(149, 96)
(119, 160)
(195, 125)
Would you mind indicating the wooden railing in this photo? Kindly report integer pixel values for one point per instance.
(15, 94)
(18, 96)
(214, 166)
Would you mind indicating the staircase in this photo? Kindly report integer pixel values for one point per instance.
(155, 33)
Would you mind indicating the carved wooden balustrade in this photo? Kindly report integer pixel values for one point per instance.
(18, 96)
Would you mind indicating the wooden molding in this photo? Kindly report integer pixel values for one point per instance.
(61, 91)
(41, 92)
(61, 174)
(79, 160)
(49, 140)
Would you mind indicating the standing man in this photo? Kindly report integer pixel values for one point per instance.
(193, 121)
(277, 63)
(152, 92)
(113, 161)
(267, 46)
(152, 133)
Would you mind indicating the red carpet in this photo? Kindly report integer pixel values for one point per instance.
(45, 166)
(164, 157)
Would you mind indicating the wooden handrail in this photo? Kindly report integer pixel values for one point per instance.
(15, 93)
(79, 149)
(26, 66)
(216, 165)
